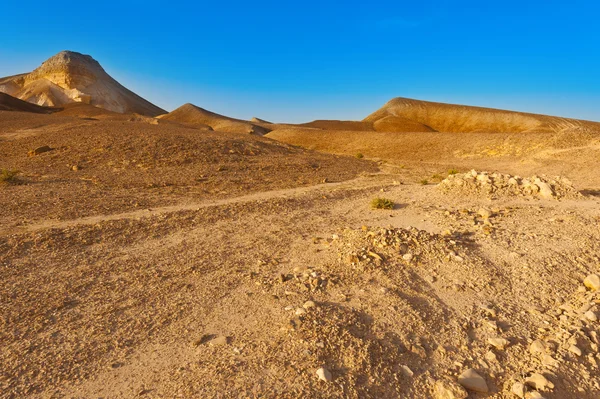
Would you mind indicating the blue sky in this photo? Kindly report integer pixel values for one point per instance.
(305, 60)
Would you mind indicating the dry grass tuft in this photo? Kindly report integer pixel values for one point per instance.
(382, 203)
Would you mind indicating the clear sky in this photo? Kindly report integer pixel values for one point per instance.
(302, 60)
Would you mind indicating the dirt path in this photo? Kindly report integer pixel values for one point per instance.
(358, 183)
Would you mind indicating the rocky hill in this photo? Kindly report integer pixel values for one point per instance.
(407, 115)
(192, 115)
(70, 77)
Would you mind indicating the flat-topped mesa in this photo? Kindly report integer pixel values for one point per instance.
(69, 77)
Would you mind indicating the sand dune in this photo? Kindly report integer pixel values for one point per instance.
(192, 115)
(70, 77)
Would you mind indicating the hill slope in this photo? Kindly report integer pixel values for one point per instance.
(450, 118)
(189, 114)
(70, 77)
(10, 103)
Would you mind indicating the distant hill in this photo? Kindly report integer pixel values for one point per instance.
(70, 77)
(406, 115)
(192, 115)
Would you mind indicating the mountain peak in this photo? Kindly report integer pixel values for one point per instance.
(69, 77)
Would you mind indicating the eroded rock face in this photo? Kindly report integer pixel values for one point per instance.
(73, 77)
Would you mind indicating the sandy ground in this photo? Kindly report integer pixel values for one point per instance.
(207, 273)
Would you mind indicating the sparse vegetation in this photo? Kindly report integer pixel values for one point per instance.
(437, 177)
(359, 155)
(382, 203)
(452, 171)
(424, 182)
(8, 176)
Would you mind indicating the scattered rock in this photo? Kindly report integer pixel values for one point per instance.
(471, 380)
(538, 381)
(39, 150)
(519, 389)
(446, 389)
(324, 374)
(575, 350)
(537, 347)
(498, 343)
(592, 282)
(591, 316)
(309, 305)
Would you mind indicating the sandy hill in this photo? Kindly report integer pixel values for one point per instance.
(192, 115)
(406, 115)
(10, 103)
(71, 77)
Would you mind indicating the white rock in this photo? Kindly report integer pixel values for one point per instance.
(407, 257)
(471, 380)
(324, 374)
(300, 312)
(309, 305)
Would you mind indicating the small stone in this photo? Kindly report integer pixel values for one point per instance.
(519, 389)
(490, 357)
(591, 316)
(538, 381)
(407, 257)
(324, 374)
(592, 282)
(471, 380)
(575, 350)
(300, 312)
(498, 343)
(309, 305)
(407, 371)
(537, 347)
(39, 150)
(446, 389)
(485, 213)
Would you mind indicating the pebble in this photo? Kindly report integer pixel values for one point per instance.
(407, 371)
(519, 389)
(537, 347)
(592, 282)
(309, 305)
(324, 374)
(300, 312)
(498, 343)
(446, 389)
(407, 257)
(575, 350)
(471, 380)
(591, 316)
(538, 381)
(485, 213)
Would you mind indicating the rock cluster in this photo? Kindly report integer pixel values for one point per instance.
(498, 184)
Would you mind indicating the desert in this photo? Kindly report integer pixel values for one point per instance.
(427, 250)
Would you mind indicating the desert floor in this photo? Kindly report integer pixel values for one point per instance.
(158, 261)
